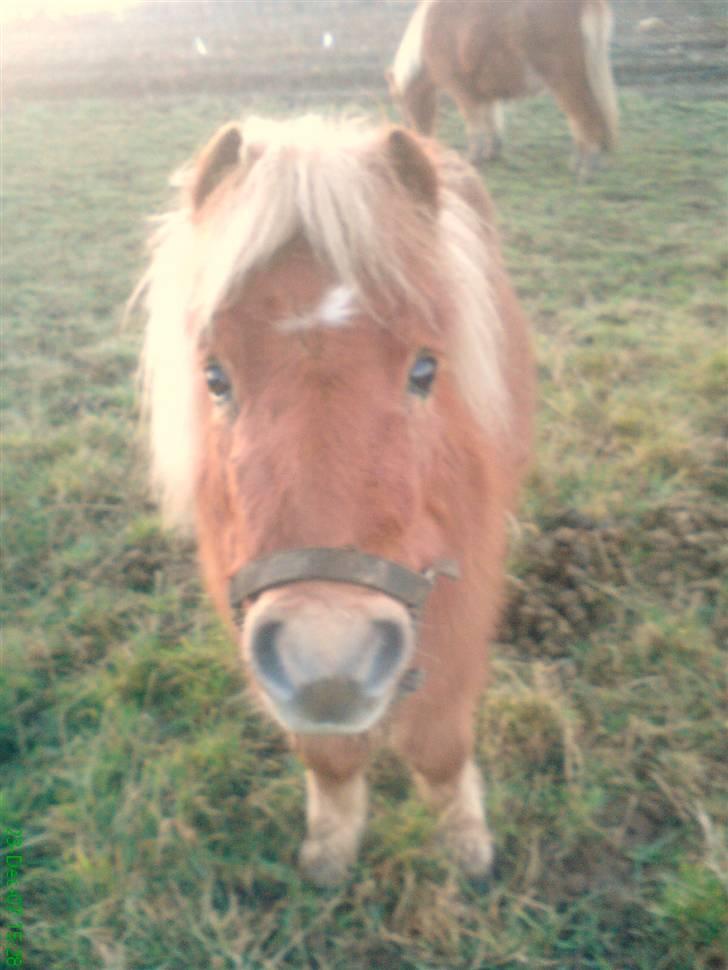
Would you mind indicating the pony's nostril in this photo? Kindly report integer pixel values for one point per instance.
(267, 658)
(389, 651)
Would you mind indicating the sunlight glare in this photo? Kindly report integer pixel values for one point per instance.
(26, 9)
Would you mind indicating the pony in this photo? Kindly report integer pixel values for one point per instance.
(338, 387)
(484, 52)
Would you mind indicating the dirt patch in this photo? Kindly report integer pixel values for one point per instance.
(570, 581)
(575, 574)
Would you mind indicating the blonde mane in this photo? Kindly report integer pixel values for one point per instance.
(408, 59)
(328, 182)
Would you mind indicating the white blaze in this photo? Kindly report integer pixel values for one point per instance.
(335, 309)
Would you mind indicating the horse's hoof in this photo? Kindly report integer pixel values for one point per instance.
(480, 884)
(324, 863)
(471, 847)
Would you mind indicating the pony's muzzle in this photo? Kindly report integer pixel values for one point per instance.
(329, 659)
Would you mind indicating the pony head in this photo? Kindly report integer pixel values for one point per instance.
(322, 351)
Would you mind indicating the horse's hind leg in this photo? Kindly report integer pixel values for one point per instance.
(494, 123)
(585, 123)
(484, 123)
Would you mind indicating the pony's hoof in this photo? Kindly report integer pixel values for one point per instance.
(585, 165)
(324, 863)
(471, 848)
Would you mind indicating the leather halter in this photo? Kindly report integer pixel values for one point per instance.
(340, 565)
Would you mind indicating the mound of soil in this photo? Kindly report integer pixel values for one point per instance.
(569, 583)
(575, 574)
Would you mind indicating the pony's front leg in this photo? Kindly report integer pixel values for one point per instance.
(336, 814)
(439, 750)
(459, 800)
(484, 123)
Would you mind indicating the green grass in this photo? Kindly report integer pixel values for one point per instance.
(161, 815)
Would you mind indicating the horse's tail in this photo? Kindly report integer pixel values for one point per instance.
(408, 78)
(596, 31)
(408, 63)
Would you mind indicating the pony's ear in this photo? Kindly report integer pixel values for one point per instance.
(412, 166)
(216, 159)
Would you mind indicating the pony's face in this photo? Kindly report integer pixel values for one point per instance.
(322, 425)
(321, 348)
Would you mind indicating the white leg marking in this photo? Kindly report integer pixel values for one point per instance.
(462, 819)
(336, 815)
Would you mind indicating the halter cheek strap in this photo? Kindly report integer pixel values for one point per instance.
(340, 565)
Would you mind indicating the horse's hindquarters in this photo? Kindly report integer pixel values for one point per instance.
(327, 658)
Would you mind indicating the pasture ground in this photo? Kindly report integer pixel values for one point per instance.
(161, 816)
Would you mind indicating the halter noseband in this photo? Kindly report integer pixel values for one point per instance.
(338, 566)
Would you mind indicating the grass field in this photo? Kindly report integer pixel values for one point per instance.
(160, 816)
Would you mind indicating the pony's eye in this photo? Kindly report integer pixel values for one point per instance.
(422, 375)
(217, 382)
